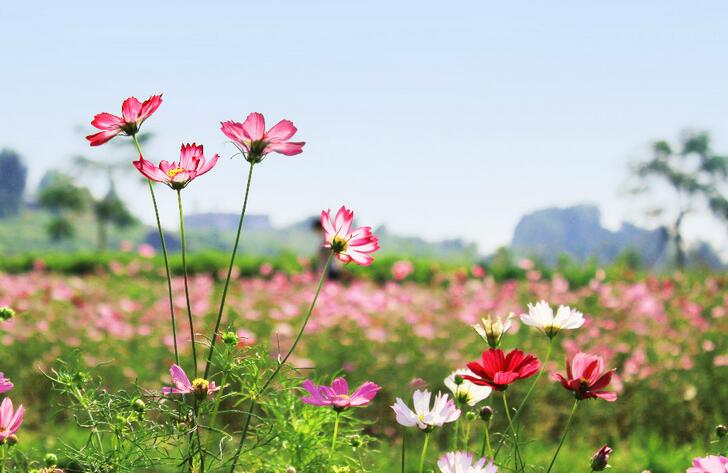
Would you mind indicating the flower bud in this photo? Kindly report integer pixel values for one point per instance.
(721, 431)
(12, 440)
(50, 459)
(355, 441)
(486, 413)
(600, 459)
(6, 313)
(290, 469)
(230, 338)
(458, 380)
(138, 405)
(471, 416)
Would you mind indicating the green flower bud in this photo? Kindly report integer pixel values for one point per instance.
(50, 459)
(458, 380)
(486, 413)
(138, 405)
(230, 338)
(355, 441)
(471, 416)
(6, 313)
(721, 431)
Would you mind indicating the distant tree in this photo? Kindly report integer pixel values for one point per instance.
(110, 210)
(12, 182)
(694, 174)
(63, 198)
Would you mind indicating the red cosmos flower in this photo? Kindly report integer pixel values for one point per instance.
(498, 370)
(191, 164)
(133, 114)
(254, 142)
(585, 376)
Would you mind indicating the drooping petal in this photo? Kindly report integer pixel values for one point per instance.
(289, 148)
(102, 137)
(106, 121)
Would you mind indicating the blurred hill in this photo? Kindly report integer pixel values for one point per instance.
(578, 232)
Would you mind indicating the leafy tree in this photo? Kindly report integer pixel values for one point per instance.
(110, 210)
(62, 197)
(694, 174)
(12, 182)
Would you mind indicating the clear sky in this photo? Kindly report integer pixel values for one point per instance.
(441, 119)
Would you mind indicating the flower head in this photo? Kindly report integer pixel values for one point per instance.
(192, 164)
(542, 317)
(10, 419)
(464, 391)
(491, 331)
(709, 464)
(255, 143)
(5, 384)
(462, 462)
(498, 370)
(6, 313)
(425, 417)
(337, 395)
(585, 376)
(600, 459)
(182, 384)
(348, 245)
(133, 114)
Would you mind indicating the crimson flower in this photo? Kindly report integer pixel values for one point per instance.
(337, 395)
(191, 164)
(133, 114)
(498, 370)
(585, 376)
(347, 244)
(255, 143)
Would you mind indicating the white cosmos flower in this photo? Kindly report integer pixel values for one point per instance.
(462, 462)
(466, 392)
(425, 418)
(491, 331)
(542, 317)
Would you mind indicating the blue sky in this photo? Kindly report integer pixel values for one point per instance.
(437, 119)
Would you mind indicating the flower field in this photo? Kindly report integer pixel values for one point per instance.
(665, 336)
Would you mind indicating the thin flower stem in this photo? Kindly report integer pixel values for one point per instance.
(563, 436)
(423, 455)
(187, 288)
(456, 434)
(213, 339)
(218, 398)
(530, 390)
(513, 430)
(2, 458)
(282, 362)
(486, 442)
(166, 258)
(404, 447)
(336, 433)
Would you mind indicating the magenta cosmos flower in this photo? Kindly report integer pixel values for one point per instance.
(348, 245)
(10, 419)
(709, 464)
(182, 384)
(5, 384)
(585, 376)
(133, 114)
(498, 370)
(337, 395)
(255, 143)
(192, 164)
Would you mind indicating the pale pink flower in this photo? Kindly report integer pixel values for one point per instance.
(146, 250)
(182, 384)
(709, 464)
(192, 164)
(133, 114)
(5, 384)
(10, 419)
(255, 143)
(337, 395)
(402, 269)
(423, 416)
(348, 245)
(462, 462)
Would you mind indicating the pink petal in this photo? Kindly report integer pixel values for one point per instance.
(102, 137)
(106, 121)
(150, 106)
(234, 131)
(254, 127)
(289, 148)
(282, 131)
(188, 153)
(130, 109)
(340, 386)
(179, 378)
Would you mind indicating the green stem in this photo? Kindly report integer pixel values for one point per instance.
(456, 434)
(2, 458)
(187, 287)
(512, 428)
(466, 440)
(404, 447)
(270, 379)
(563, 436)
(336, 433)
(423, 455)
(530, 390)
(166, 258)
(229, 272)
(218, 398)
(486, 442)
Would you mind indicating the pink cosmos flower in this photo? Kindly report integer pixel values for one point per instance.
(462, 462)
(5, 384)
(348, 245)
(585, 376)
(600, 459)
(337, 395)
(10, 420)
(709, 464)
(133, 114)
(192, 164)
(182, 384)
(255, 143)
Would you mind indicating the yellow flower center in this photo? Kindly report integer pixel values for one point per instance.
(173, 172)
(339, 244)
(200, 385)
